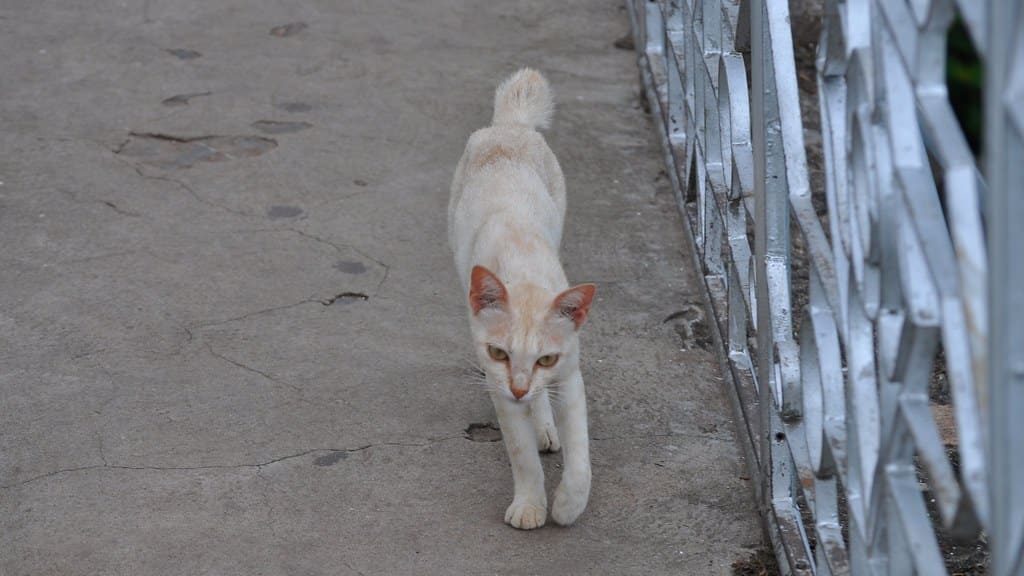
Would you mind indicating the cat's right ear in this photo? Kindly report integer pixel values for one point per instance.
(486, 290)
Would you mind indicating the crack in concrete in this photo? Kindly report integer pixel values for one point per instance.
(387, 272)
(350, 567)
(246, 367)
(247, 315)
(99, 442)
(169, 137)
(259, 465)
(117, 150)
(97, 257)
(181, 184)
(121, 211)
(74, 198)
(268, 504)
(199, 198)
(191, 336)
(256, 465)
(338, 248)
(298, 391)
(345, 296)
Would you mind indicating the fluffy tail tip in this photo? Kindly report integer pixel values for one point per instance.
(524, 98)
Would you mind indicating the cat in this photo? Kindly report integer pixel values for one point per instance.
(505, 220)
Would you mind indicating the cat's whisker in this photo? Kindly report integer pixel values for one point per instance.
(470, 366)
(554, 394)
(557, 400)
(485, 383)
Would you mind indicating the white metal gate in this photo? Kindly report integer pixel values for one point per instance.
(920, 257)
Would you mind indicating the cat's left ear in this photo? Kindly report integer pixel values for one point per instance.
(574, 303)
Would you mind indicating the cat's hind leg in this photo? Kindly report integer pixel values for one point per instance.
(544, 424)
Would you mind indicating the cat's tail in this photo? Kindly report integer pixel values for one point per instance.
(524, 99)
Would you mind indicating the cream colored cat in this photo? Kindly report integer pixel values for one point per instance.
(505, 226)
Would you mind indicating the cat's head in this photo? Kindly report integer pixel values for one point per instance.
(526, 337)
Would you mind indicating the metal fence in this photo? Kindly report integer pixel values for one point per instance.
(836, 322)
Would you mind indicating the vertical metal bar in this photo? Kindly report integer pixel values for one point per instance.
(765, 360)
(654, 29)
(1004, 150)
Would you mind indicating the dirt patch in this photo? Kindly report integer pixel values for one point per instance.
(689, 323)
(968, 557)
(761, 563)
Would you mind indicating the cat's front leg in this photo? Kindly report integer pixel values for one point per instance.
(530, 503)
(574, 490)
(544, 423)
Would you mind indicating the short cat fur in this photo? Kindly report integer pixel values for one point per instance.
(505, 219)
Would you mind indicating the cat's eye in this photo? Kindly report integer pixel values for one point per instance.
(497, 354)
(547, 361)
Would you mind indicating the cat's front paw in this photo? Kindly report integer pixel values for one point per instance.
(525, 515)
(569, 503)
(547, 438)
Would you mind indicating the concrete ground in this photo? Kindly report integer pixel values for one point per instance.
(231, 339)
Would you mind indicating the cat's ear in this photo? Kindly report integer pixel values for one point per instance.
(574, 303)
(486, 290)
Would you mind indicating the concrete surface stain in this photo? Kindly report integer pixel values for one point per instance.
(350, 266)
(345, 298)
(170, 151)
(483, 432)
(625, 42)
(290, 29)
(183, 53)
(293, 106)
(330, 459)
(359, 182)
(708, 428)
(276, 212)
(183, 99)
(276, 127)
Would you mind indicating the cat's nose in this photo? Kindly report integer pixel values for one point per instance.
(519, 385)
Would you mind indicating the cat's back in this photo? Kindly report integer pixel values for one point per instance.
(496, 147)
(511, 157)
(507, 168)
